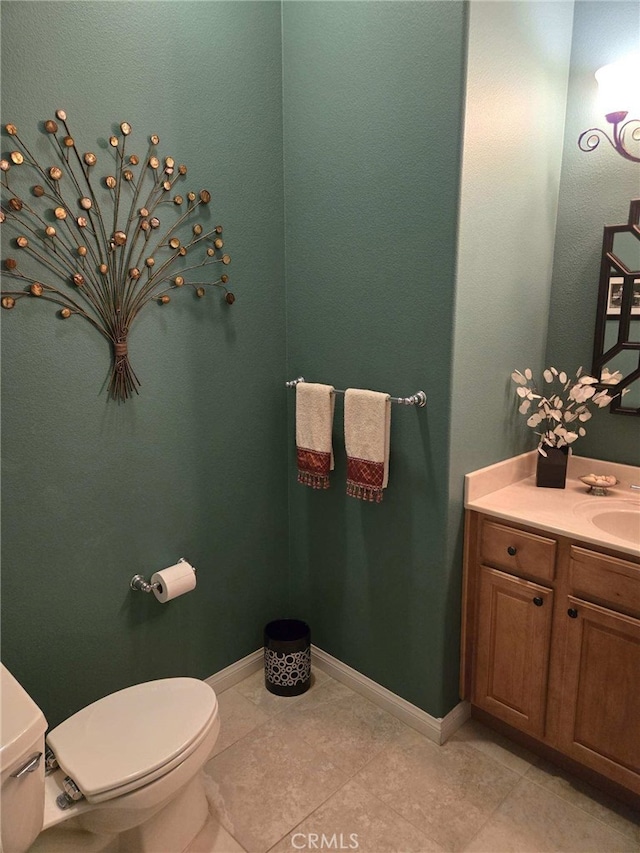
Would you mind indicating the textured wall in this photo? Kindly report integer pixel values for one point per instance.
(373, 99)
(373, 103)
(94, 492)
(517, 68)
(595, 191)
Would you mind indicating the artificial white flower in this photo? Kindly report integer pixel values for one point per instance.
(563, 405)
(602, 399)
(608, 378)
(582, 392)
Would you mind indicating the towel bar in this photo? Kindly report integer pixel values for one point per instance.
(418, 399)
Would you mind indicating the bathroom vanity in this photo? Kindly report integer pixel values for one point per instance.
(551, 616)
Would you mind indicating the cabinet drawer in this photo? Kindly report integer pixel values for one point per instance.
(605, 580)
(523, 554)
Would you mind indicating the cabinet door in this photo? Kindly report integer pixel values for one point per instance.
(512, 652)
(600, 711)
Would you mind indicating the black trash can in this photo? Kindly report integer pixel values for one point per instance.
(287, 657)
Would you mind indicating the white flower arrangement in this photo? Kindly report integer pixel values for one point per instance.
(558, 416)
(608, 378)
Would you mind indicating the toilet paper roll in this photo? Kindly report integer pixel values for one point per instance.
(174, 581)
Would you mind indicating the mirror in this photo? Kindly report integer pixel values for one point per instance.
(616, 349)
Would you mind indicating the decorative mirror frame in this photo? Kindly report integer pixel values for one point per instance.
(611, 267)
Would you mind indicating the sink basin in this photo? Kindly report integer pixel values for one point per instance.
(620, 523)
(619, 518)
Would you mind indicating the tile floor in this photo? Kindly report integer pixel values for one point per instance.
(288, 771)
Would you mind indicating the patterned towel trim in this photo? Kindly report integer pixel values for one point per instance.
(365, 479)
(313, 468)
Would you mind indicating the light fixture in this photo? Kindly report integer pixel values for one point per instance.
(619, 93)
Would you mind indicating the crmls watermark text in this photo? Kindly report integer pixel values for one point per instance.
(317, 841)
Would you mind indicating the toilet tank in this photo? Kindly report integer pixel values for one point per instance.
(22, 728)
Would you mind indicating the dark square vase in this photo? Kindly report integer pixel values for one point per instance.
(551, 470)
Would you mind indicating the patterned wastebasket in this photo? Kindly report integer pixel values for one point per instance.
(287, 657)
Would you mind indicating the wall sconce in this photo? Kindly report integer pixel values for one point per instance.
(618, 86)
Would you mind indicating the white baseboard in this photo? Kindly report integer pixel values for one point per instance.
(236, 672)
(452, 721)
(437, 729)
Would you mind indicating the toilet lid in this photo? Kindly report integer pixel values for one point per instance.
(130, 734)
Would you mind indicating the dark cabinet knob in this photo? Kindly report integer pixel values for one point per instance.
(538, 601)
(572, 613)
(511, 551)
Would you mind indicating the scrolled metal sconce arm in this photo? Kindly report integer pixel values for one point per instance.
(621, 130)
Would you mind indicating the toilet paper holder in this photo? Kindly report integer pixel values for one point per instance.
(138, 582)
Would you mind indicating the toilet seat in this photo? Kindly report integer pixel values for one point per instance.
(134, 736)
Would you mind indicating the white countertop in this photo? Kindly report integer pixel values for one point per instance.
(508, 490)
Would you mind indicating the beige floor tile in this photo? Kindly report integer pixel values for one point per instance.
(586, 797)
(214, 838)
(325, 691)
(447, 791)
(318, 673)
(349, 730)
(266, 783)
(253, 688)
(353, 819)
(496, 746)
(534, 820)
(238, 717)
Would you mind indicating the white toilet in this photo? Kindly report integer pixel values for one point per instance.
(133, 760)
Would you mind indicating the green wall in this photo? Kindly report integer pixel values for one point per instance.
(94, 492)
(518, 54)
(595, 191)
(517, 70)
(330, 136)
(372, 105)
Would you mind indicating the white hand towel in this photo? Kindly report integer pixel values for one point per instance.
(367, 422)
(314, 423)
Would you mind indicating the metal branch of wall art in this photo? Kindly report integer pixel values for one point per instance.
(98, 243)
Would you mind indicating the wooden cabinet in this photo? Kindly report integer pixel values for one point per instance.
(600, 714)
(513, 642)
(551, 643)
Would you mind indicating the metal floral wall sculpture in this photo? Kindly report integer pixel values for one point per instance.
(98, 243)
